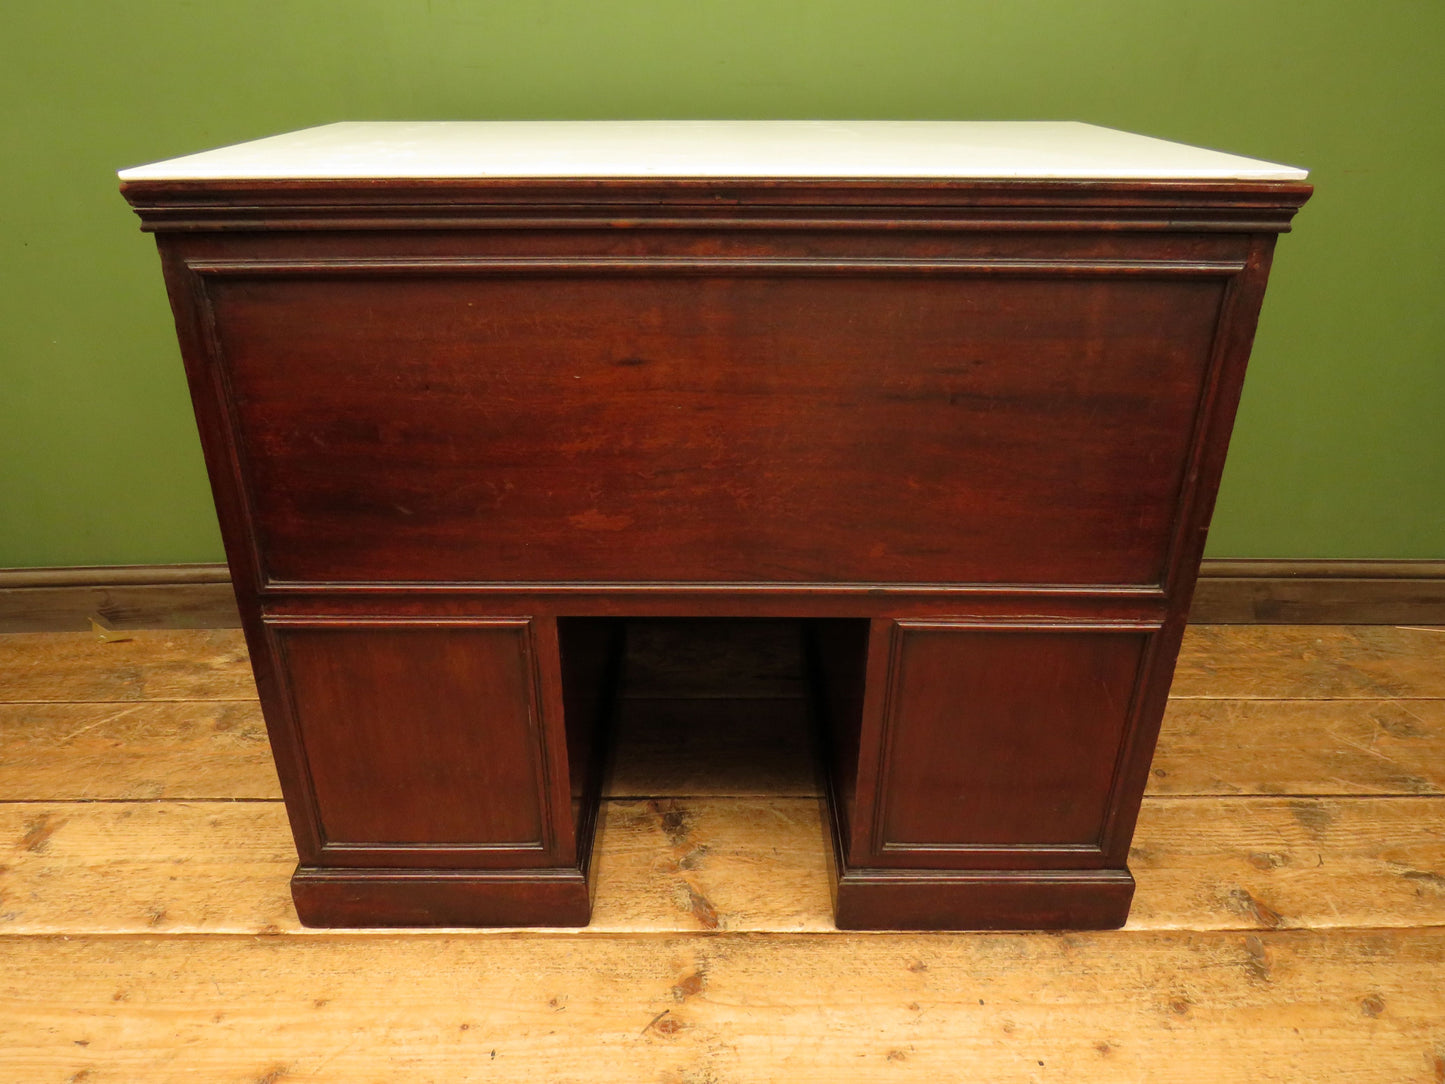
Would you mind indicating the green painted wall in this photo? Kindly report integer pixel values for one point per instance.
(1340, 448)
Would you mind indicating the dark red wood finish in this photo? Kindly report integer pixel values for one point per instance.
(540, 425)
(975, 429)
(390, 715)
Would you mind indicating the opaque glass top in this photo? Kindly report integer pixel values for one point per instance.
(1039, 150)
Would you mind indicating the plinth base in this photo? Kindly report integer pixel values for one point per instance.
(429, 897)
(889, 899)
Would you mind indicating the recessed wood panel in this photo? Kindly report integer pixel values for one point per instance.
(808, 426)
(999, 737)
(419, 735)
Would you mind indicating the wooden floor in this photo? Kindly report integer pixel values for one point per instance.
(1289, 923)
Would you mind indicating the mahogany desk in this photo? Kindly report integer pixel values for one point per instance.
(956, 394)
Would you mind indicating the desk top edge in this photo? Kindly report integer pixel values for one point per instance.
(754, 150)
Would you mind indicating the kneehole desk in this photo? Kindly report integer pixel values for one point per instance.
(957, 395)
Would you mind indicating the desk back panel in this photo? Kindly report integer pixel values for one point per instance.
(749, 426)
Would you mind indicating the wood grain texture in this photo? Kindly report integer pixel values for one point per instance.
(421, 736)
(1360, 1006)
(1340, 662)
(713, 864)
(181, 867)
(1300, 747)
(696, 660)
(125, 606)
(840, 422)
(217, 749)
(711, 957)
(128, 596)
(132, 867)
(740, 865)
(1295, 592)
(137, 750)
(1002, 735)
(1273, 863)
(70, 667)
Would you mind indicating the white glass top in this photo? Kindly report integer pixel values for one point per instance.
(1039, 150)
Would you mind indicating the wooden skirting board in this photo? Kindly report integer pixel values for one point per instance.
(127, 596)
(1277, 592)
(1320, 593)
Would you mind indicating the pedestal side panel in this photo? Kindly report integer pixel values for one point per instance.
(423, 743)
(999, 740)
